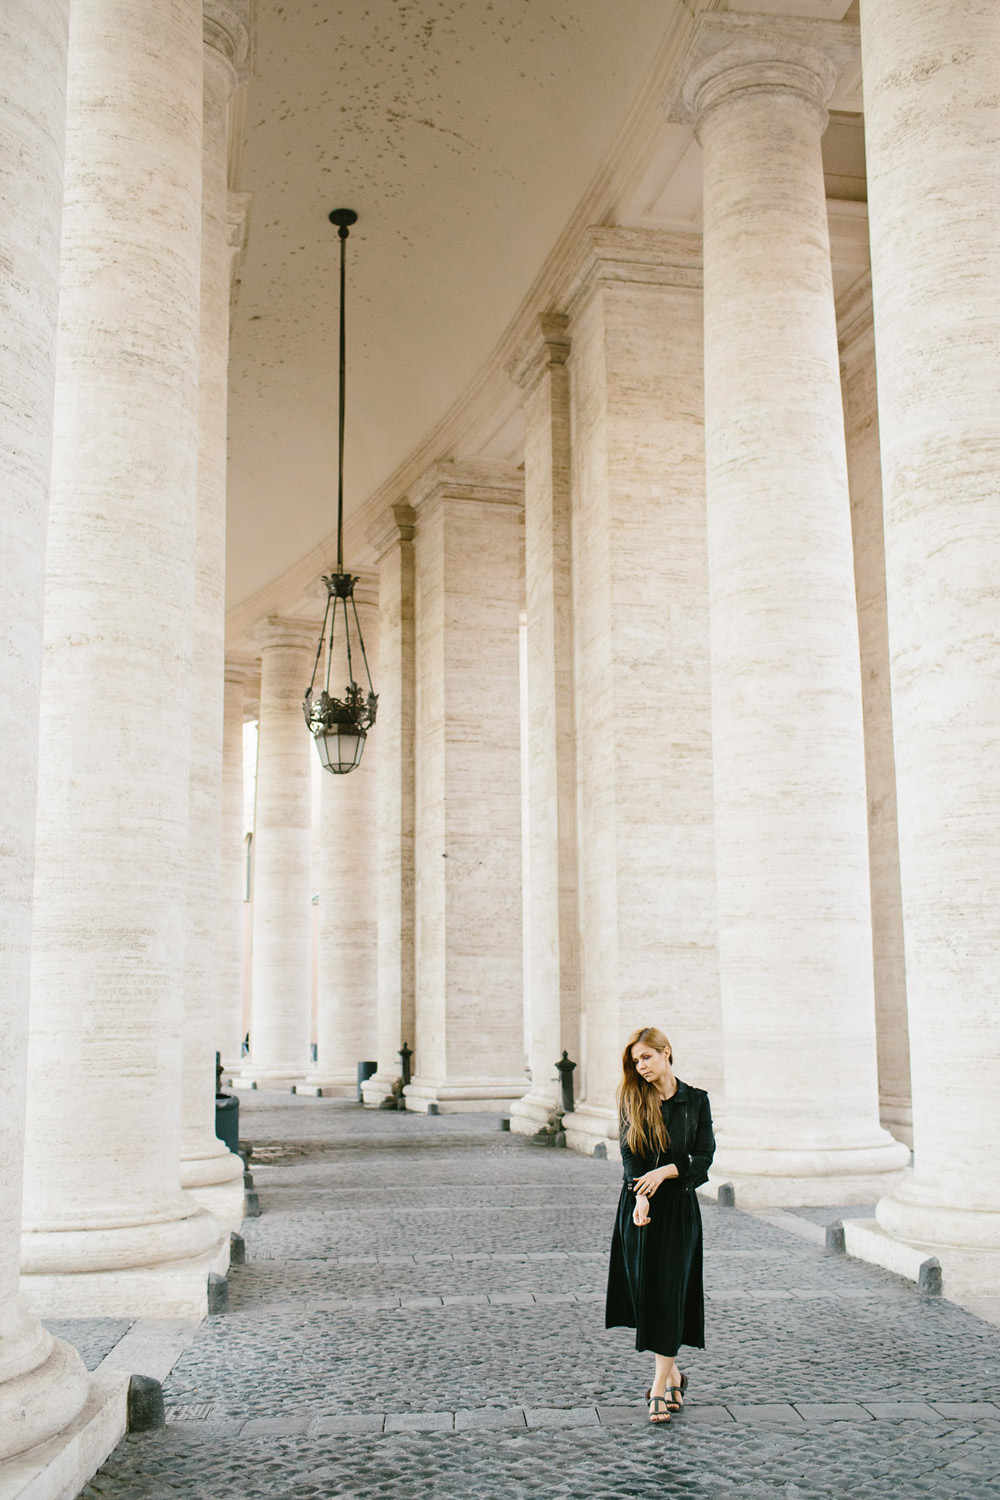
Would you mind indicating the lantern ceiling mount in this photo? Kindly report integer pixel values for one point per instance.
(339, 726)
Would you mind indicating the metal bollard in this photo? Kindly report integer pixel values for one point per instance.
(565, 1070)
(406, 1058)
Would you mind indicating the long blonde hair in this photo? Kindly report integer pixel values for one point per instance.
(638, 1100)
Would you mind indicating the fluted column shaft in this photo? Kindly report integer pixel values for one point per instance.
(102, 1186)
(552, 914)
(282, 917)
(213, 1173)
(788, 750)
(42, 1381)
(347, 862)
(933, 128)
(393, 542)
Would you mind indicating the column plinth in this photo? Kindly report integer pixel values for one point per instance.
(801, 1118)
(933, 132)
(212, 1173)
(102, 1188)
(282, 893)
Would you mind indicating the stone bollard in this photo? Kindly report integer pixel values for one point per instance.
(218, 1294)
(835, 1240)
(727, 1195)
(144, 1410)
(237, 1249)
(929, 1283)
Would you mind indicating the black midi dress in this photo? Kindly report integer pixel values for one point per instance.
(655, 1279)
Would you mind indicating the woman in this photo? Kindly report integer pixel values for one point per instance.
(654, 1280)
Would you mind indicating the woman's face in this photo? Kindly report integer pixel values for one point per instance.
(650, 1064)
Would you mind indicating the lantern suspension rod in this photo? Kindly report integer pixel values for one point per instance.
(343, 218)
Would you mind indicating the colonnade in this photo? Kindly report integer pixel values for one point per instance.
(752, 548)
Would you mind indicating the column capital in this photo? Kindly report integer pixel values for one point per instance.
(240, 668)
(546, 345)
(480, 481)
(276, 630)
(650, 257)
(396, 524)
(733, 53)
(227, 28)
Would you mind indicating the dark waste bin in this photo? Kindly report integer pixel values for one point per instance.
(227, 1120)
(365, 1070)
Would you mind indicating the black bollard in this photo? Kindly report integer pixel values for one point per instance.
(565, 1070)
(406, 1059)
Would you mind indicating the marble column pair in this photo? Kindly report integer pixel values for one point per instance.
(108, 1229)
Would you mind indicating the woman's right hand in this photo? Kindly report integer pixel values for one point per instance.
(640, 1214)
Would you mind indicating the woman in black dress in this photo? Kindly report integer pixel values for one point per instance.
(654, 1280)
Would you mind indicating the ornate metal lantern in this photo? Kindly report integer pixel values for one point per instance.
(339, 725)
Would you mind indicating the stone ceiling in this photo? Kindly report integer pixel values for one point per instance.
(470, 136)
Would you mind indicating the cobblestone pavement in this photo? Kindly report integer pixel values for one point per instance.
(421, 1315)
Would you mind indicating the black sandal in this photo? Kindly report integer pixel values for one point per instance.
(655, 1402)
(675, 1394)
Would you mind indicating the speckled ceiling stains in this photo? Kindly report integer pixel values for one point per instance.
(463, 132)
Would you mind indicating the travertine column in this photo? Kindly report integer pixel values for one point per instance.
(467, 852)
(393, 543)
(42, 1380)
(107, 1228)
(213, 1173)
(233, 867)
(282, 922)
(648, 946)
(801, 1118)
(552, 912)
(932, 114)
(348, 886)
(857, 366)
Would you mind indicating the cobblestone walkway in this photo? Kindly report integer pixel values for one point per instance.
(421, 1315)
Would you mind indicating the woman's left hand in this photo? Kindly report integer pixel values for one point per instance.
(650, 1181)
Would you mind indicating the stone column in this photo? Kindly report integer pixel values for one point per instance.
(801, 1121)
(467, 852)
(933, 130)
(857, 367)
(282, 922)
(648, 947)
(393, 543)
(551, 915)
(211, 1172)
(233, 867)
(43, 1384)
(348, 886)
(107, 1229)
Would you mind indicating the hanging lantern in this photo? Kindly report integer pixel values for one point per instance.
(339, 725)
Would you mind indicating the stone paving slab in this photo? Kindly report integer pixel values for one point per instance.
(93, 1338)
(425, 1352)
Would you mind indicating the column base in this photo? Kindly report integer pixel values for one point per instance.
(530, 1113)
(380, 1086)
(968, 1237)
(463, 1095)
(329, 1086)
(175, 1289)
(810, 1178)
(62, 1464)
(591, 1129)
(43, 1387)
(283, 1080)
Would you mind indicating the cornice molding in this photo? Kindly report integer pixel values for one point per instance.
(397, 524)
(481, 481)
(548, 344)
(645, 257)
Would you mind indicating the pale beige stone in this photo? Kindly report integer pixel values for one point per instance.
(788, 749)
(467, 846)
(648, 944)
(233, 870)
(43, 1384)
(857, 362)
(102, 1190)
(933, 131)
(551, 906)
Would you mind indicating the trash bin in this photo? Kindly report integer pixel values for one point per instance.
(365, 1070)
(227, 1120)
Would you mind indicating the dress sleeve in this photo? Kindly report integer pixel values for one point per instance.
(631, 1165)
(702, 1148)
